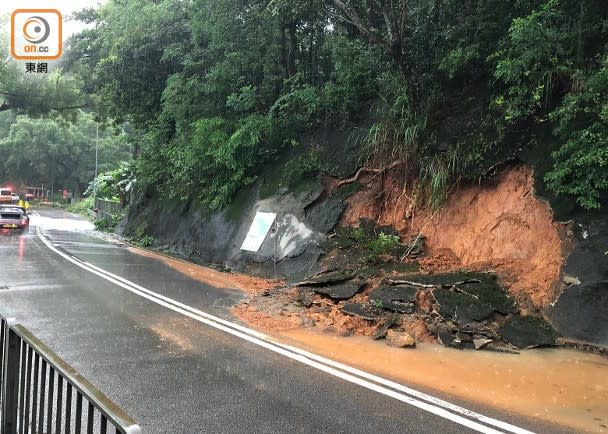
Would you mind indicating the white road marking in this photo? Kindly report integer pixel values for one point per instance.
(386, 387)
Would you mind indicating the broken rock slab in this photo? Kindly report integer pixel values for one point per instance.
(381, 332)
(528, 332)
(481, 343)
(400, 339)
(360, 310)
(400, 299)
(447, 339)
(327, 278)
(341, 291)
(369, 272)
(481, 286)
(461, 308)
(466, 297)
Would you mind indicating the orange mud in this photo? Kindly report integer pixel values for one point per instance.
(497, 226)
(217, 279)
(282, 311)
(171, 330)
(255, 285)
(560, 386)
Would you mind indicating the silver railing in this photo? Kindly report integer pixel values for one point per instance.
(41, 393)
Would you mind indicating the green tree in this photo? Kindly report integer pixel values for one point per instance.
(114, 184)
(55, 151)
(39, 94)
(553, 63)
(124, 56)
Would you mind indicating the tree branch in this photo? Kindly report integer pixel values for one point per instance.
(69, 107)
(363, 170)
(356, 20)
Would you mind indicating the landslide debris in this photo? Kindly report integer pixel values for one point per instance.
(499, 225)
(369, 282)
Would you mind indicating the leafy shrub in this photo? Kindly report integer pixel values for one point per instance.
(380, 247)
(243, 101)
(304, 166)
(221, 157)
(297, 108)
(82, 207)
(145, 241)
(356, 68)
(580, 165)
(357, 234)
(556, 78)
(383, 244)
(115, 184)
(107, 225)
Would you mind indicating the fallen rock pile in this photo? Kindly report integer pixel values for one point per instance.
(368, 282)
(466, 310)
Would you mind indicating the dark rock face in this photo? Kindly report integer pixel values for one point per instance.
(581, 313)
(324, 215)
(527, 332)
(588, 261)
(290, 249)
(395, 298)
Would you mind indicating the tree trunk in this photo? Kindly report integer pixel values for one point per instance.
(284, 52)
(292, 50)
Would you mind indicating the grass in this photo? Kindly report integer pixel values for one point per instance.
(81, 207)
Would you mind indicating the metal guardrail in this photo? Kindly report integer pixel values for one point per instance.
(41, 393)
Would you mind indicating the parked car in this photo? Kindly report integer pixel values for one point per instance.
(6, 195)
(14, 217)
(14, 197)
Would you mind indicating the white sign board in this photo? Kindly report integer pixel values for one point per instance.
(257, 232)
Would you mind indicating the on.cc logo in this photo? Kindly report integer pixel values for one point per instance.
(36, 30)
(36, 34)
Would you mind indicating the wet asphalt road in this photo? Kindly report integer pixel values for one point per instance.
(172, 373)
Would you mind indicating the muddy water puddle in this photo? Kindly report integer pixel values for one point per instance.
(560, 386)
(202, 274)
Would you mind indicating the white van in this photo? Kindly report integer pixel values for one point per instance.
(6, 195)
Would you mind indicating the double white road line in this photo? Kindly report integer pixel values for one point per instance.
(423, 401)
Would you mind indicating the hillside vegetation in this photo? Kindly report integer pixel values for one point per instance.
(215, 89)
(209, 91)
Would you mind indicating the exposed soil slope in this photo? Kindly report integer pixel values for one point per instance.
(500, 225)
